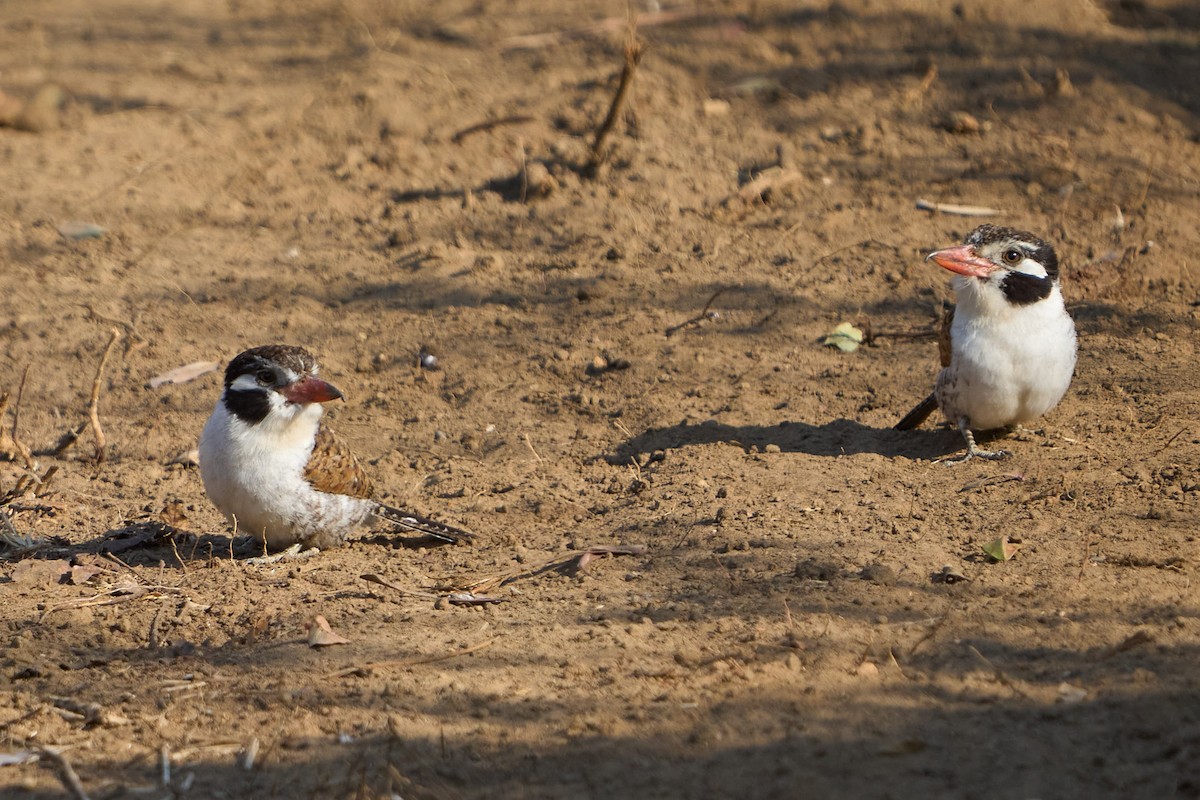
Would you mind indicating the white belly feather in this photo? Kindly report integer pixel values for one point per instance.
(255, 476)
(1010, 364)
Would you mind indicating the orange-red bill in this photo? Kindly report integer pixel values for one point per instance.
(962, 259)
(311, 390)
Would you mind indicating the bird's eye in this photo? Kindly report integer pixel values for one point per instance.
(1012, 256)
(264, 377)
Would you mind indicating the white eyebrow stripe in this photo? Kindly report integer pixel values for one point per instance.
(1031, 267)
(245, 383)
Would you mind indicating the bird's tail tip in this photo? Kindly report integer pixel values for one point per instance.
(918, 415)
(423, 525)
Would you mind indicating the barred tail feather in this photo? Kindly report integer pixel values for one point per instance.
(418, 524)
(918, 415)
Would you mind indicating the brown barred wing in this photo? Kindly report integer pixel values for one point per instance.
(333, 468)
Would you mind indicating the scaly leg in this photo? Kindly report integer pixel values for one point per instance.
(973, 450)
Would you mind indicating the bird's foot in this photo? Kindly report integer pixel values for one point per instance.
(293, 553)
(974, 450)
(990, 455)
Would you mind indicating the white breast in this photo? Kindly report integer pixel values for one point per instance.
(255, 475)
(1010, 364)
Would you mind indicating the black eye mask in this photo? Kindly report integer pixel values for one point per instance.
(249, 406)
(1021, 288)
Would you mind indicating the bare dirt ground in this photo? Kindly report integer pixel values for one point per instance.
(307, 173)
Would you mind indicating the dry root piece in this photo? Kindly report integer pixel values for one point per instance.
(633, 57)
(766, 185)
(595, 551)
(12, 448)
(93, 410)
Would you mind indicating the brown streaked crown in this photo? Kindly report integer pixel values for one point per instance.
(291, 357)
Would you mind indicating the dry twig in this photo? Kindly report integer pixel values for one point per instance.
(121, 594)
(66, 773)
(957, 210)
(371, 578)
(633, 55)
(581, 557)
(94, 400)
(537, 40)
(703, 315)
(10, 446)
(998, 673)
(487, 125)
(93, 412)
(365, 669)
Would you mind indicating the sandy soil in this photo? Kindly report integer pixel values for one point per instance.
(307, 172)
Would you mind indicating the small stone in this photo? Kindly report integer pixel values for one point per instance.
(867, 669)
(961, 122)
(488, 262)
(43, 112)
(688, 657)
(772, 448)
(538, 180)
(878, 573)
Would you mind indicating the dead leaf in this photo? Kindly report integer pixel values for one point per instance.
(133, 536)
(844, 337)
(188, 458)
(1070, 694)
(1001, 549)
(949, 574)
(321, 635)
(1136, 639)
(34, 571)
(188, 372)
(80, 230)
(82, 573)
(173, 513)
(17, 757)
(472, 599)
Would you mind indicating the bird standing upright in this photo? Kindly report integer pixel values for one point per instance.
(275, 471)
(1011, 350)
